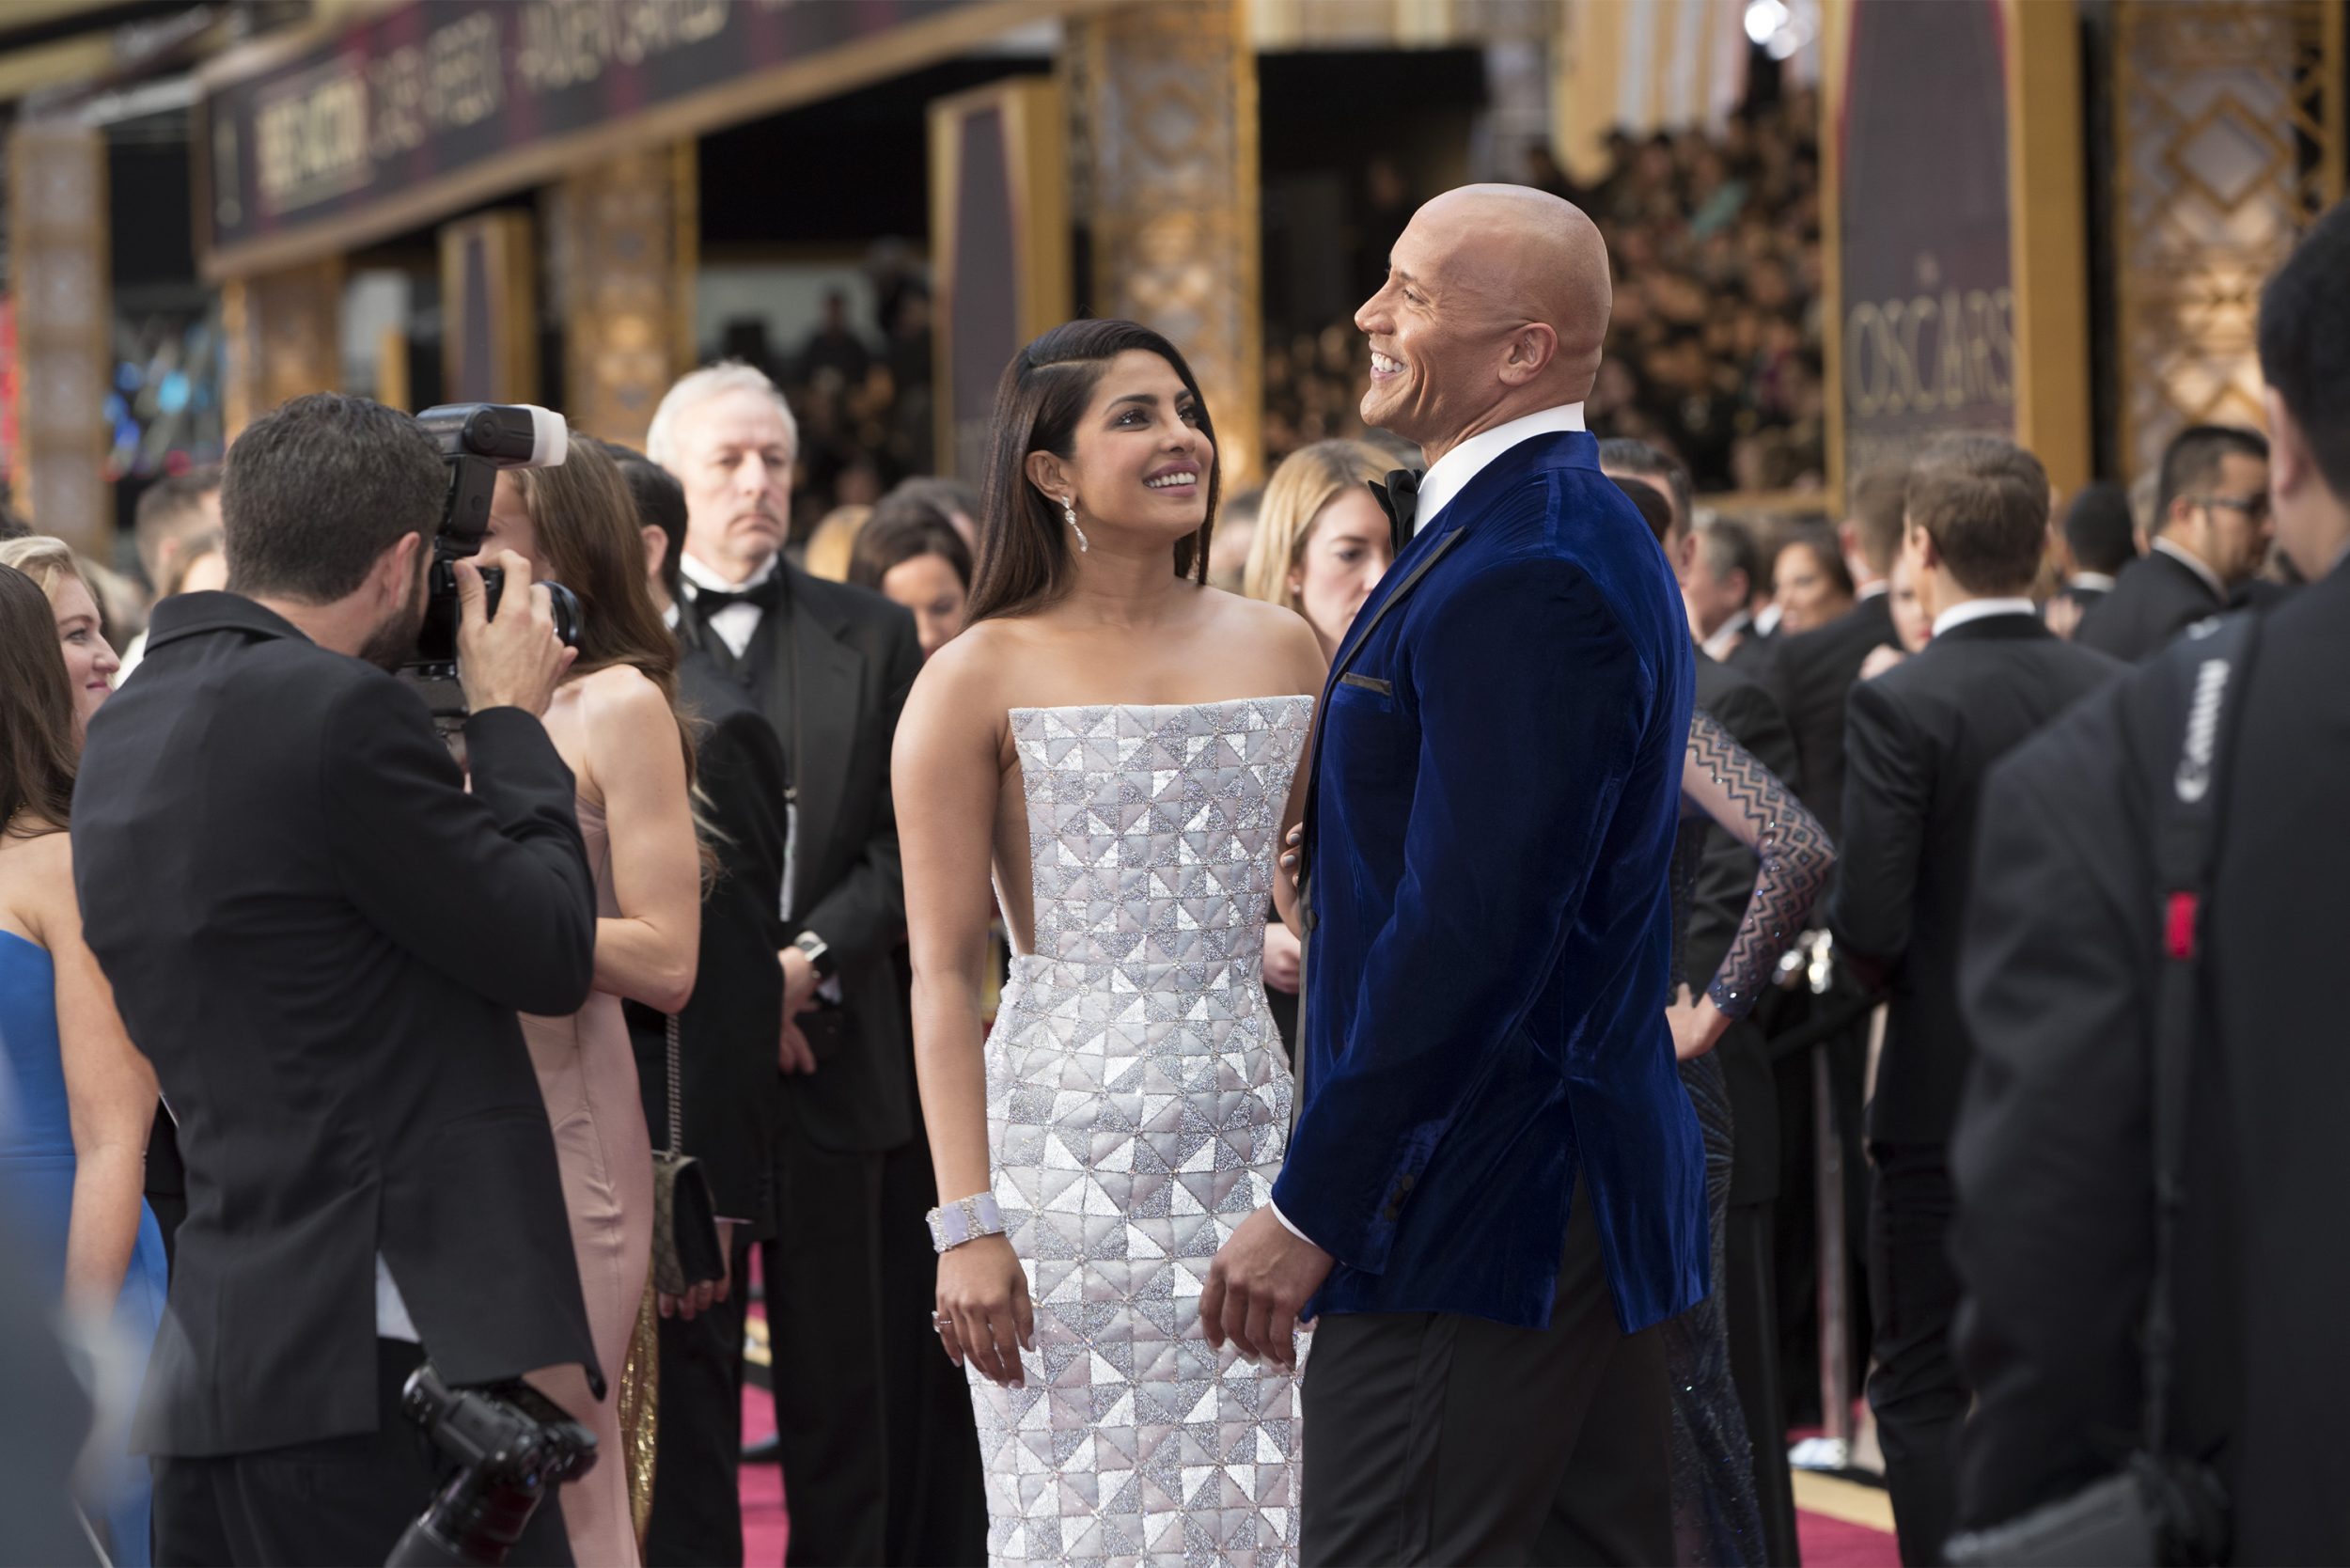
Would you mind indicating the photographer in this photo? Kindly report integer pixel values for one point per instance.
(321, 940)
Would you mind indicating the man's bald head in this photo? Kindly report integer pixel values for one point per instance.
(1494, 305)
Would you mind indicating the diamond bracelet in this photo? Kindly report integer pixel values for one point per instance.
(964, 1219)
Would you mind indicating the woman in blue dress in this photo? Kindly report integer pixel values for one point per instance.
(81, 1098)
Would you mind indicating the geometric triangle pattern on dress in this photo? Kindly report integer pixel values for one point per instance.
(1137, 1104)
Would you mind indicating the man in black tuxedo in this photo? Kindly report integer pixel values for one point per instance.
(1716, 566)
(829, 666)
(2211, 535)
(320, 938)
(1920, 737)
(2099, 540)
(2060, 986)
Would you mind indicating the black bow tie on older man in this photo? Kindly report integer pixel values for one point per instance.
(1400, 499)
(766, 595)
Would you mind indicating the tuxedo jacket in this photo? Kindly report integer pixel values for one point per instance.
(1493, 796)
(1726, 875)
(321, 939)
(1811, 673)
(1918, 739)
(850, 656)
(2155, 598)
(727, 1032)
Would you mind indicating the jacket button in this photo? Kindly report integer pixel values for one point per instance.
(1391, 1214)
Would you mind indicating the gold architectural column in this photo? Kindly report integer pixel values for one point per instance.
(623, 238)
(283, 335)
(57, 223)
(2048, 238)
(1166, 160)
(2228, 143)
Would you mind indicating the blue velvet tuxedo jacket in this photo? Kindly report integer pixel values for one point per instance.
(1490, 822)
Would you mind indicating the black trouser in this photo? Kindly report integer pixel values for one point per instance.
(1441, 1438)
(937, 1486)
(1916, 1390)
(335, 1502)
(696, 1497)
(822, 1280)
(1747, 1297)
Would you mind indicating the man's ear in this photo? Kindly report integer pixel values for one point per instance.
(656, 550)
(2290, 467)
(397, 567)
(1531, 349)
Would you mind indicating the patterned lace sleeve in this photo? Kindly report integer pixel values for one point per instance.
(1723, 779)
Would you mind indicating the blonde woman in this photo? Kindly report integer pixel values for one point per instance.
(91, 663)
(830, 547)
(1322, 542)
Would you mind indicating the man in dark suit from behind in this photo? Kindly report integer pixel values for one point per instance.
(2099, 538)
(829, 666)
(320, 936)
(2060, 986)
(1920, 737)
(1726, 875)
(2211, 536)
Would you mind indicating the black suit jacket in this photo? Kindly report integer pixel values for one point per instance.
(727, 1032)
(321, 940)
(855, 656)
(1810, 674)
(1756, 657)
(1725, 881)
(1919, 739)
(2154, 599)
(2051, 1156)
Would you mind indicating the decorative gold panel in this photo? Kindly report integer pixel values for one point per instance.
(624, 244)
(1165, 168)
(2228, 144)
(283, 332)
(57, 223)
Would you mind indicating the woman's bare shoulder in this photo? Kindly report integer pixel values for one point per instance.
(1272, 637)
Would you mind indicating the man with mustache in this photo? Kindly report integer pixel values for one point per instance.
(848, 1273)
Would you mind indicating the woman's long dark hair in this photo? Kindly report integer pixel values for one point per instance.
(586, 524)
(1024, 544)
(38, 753)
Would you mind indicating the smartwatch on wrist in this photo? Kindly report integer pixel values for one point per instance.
(819, 955)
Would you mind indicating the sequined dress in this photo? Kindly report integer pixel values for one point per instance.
(1137, 1104)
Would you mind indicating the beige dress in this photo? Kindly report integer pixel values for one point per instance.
(588, 1075)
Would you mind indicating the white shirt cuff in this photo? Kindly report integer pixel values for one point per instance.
(1286, 1225)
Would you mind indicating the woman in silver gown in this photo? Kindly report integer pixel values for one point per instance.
(1117, 745)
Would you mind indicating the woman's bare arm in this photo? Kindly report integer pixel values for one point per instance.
(648, 952)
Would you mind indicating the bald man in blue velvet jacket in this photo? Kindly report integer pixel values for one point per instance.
(1495, 1188)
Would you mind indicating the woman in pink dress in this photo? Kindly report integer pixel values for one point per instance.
(614, 722)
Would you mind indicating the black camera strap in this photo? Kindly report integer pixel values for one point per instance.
(2218, 657)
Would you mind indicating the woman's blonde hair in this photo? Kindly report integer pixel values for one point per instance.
(47, 561)
(834, 542)
(1308, 480)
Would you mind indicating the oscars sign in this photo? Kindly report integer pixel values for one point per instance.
(1928, 303)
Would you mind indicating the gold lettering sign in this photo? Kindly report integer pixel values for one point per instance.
(1930, 353)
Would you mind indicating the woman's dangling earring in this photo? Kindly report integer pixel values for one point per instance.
(1068, 509)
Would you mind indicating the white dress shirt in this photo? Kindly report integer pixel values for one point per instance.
(2094, 582)
(392, 1321)
(1450, 474)
(1982, 609)
(1725, 638)
(736, 623)
(2194, 563)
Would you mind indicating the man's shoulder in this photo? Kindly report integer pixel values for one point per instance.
(857, 611)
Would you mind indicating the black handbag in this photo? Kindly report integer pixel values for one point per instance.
(685, 1248)
(2160, 1508)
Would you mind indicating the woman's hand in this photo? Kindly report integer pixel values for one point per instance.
(1282, 952)
(1698, 1026)
(1880, 659)
(700, 1298)
(984, 1319)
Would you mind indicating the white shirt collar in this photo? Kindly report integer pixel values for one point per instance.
(700, 576)
(1981, 609)
(1867, 592)
(1767, 622)
(1718, 647)
(1450, 474)
(2096, 582)
(2194, 563)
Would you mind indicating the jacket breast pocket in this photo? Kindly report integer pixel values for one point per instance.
(1369, 740)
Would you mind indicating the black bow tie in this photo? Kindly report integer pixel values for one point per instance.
(708, 602)
(1400, 499)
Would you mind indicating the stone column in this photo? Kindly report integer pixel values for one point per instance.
(283, 335)
(1164, 159)
(623, 238)
(58, 256)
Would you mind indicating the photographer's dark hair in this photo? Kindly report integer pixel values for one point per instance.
(903, 529)
(317, 488)
(1654, 509)
(1629, 454)
(1024, 548)
(37, 750)
(660, 503)
(1984, 503)
(2305, 343)
(2192, 461)
(586, 527)
(2099, 529)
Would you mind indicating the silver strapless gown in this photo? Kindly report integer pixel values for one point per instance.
(1137, 1103)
